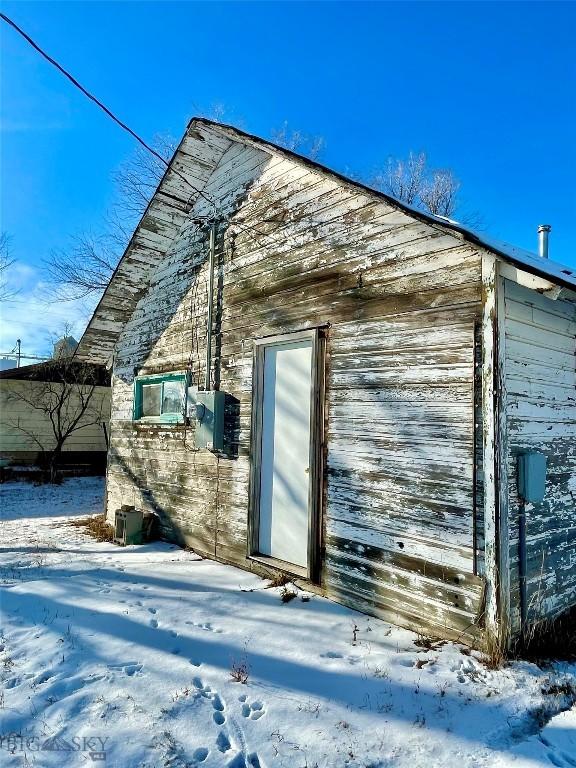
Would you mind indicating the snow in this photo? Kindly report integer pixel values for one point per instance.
(131, 650)
(553, 269)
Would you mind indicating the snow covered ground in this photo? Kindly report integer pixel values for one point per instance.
(123, 657)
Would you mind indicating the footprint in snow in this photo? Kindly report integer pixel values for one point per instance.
(200, 754)
(43, 678)
(223, 742)
(207, 626)
(123, 666)
(132, 669)
(240, 761)
(203, 690)
(150, 610)
(254, 711)
(219, 717)
(154, 623)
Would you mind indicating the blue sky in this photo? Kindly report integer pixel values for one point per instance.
(487, 89)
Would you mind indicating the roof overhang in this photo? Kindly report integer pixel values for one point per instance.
(194, 161)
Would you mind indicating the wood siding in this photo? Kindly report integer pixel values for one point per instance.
(13, 412)
(401, 298)
(540, 380)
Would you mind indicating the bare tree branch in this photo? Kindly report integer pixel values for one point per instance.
(403, 179)
(64, 394)
(411, 181)
(85, 267)
(137, 178)
(438, 193)
(296, 141)
(6, 261)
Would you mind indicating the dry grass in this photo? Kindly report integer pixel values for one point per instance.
(549, 639)
(287, 594)
(240, 670)
(428, 642)
(495, 653)
(278, 580)
(95, 526)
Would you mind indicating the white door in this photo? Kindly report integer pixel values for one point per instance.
(285, 472)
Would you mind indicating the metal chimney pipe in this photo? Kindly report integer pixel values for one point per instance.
(543, 233)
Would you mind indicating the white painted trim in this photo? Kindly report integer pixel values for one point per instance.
(527, 280)
(494, 439)
(502, 458)
(521, 277)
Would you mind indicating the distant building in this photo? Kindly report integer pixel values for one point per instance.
(7, 362)
(64, 347)
(26, 432)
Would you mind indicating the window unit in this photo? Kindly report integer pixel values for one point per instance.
(160, 398)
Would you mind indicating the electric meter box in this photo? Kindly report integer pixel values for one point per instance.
(532, 476)
(208, 411)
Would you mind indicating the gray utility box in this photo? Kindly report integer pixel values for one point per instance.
(207, 409)
(128, 526)
(532, 476)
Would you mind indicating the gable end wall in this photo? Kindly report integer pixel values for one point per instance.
(402, 300)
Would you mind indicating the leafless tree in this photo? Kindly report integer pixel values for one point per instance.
(137, 178)
(63, 393)
(439, 193)
(297, 141)
(411, 181)
(403, 179)
(6, 262)
(84, 268)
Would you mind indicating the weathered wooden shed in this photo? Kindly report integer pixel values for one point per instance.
(381, 369)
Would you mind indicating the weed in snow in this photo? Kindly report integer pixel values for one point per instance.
(287, 594)
(311, 707)
(240, 670)
(381, 673)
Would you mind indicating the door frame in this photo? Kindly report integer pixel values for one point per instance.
(315, 489)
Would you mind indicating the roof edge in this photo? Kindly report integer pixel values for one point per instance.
(516, 256)
(503, 250)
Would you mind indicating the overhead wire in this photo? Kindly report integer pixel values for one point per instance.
(101, 105)
(210, 200)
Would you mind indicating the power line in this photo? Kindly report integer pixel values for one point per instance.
(157, 155)
(123, 125)
(102, 106)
